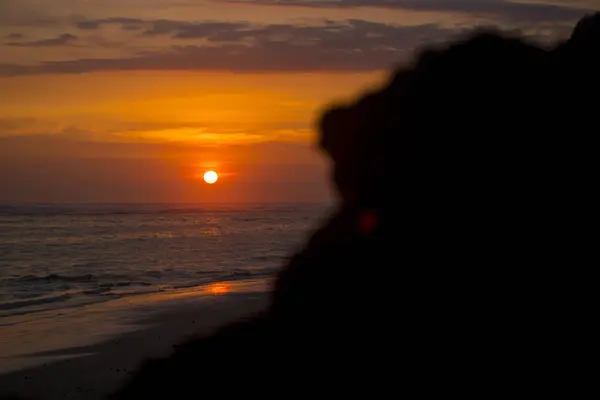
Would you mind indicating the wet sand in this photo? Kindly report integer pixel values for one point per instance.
(73, 363)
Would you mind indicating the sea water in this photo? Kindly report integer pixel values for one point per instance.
(61, 256)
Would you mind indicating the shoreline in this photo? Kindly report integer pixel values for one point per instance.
(16, 310)
(70, 364)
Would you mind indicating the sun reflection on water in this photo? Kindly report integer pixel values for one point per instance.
(218, 288)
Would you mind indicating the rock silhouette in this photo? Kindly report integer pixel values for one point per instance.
(466, 190)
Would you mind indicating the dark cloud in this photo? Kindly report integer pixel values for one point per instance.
(14, 36)
(87, 25)
(64, 39)
(7, 69)
(12, 125)
(496, 8)
(354, 45)
(190, 30)
(128, 24)
(163, 26)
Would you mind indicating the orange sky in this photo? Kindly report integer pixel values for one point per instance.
(132, 100)
(150, 135)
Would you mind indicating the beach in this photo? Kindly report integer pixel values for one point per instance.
(89, 352)
(87, 292)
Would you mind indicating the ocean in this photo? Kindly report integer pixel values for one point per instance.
(56, 257)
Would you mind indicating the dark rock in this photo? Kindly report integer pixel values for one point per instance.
(467, 189)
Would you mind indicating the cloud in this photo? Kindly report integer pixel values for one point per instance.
(238, 46)
(14, 36)
(516, 11)
(87, 25)
(62, 40)
(353, 45)
(191, 134)
(127, 24)
(11, 126)
(161, 26)
(190, 30)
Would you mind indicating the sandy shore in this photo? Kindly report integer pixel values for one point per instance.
(94, 369)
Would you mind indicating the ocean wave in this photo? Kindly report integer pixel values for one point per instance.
(10, 305)
(133, 209)
(55, 278)
(84, 278)
(246, 273)
(50, 250)
(104, 291)
(270, 257)
(104, 281)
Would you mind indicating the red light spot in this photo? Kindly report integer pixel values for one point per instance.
(367, 222)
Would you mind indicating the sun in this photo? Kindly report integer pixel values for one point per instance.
(211, 177)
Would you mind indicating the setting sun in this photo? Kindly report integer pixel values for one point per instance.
(211, 177)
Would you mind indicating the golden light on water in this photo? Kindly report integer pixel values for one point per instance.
(218, 288)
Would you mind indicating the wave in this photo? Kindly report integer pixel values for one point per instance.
(10, 305)
(133, 209)
(116, 280)
(105, 291)
(245, 273)
(55, 278)
(85, 278)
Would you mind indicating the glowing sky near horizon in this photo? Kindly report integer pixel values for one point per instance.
(130, 100)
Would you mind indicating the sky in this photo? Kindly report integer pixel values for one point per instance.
(133, 100)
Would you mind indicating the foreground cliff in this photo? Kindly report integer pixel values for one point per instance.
(467, 185)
